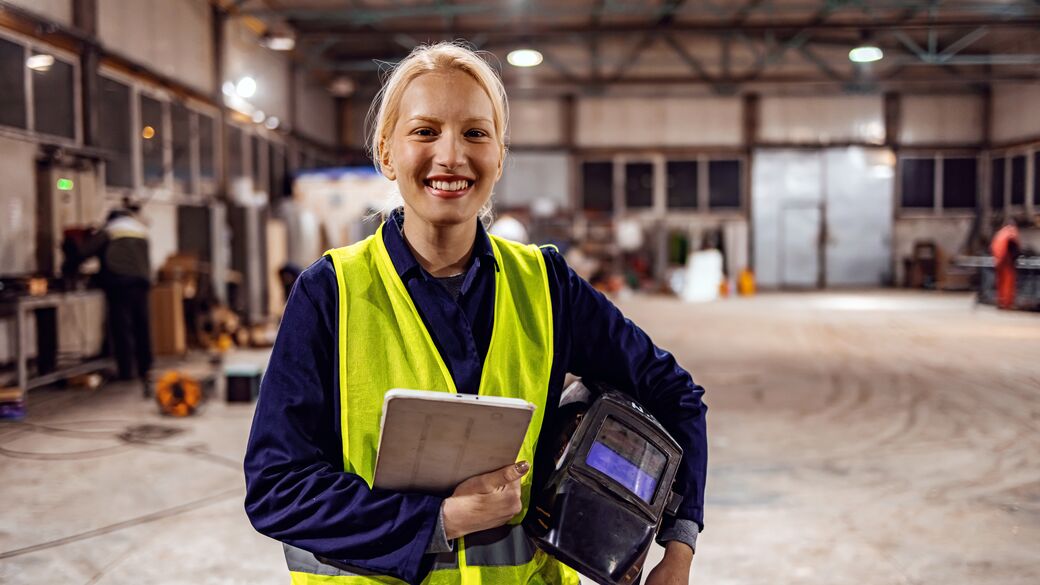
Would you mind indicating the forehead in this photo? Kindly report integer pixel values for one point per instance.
(448, 95)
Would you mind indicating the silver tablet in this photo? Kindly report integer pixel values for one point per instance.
(432, 441)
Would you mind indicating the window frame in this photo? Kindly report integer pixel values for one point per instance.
(937, 209)
(660, 159)
(204, 189)
(28, 45)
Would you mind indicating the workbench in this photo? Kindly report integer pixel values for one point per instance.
(1027, 284)
(20, 308)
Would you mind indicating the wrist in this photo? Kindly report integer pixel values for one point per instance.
(678, 553)
(448, 517)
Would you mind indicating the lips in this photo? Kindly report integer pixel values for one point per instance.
(451, 187)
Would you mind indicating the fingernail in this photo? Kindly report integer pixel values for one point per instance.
(522, 467)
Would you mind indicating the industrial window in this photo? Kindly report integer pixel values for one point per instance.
(996, 184)
(207, 158)
(180, 126)
(960, 183)
(1036, 179)
(114, 133)
(682, 184)
(1018, 180)
(53, 99)
(12, 85)
(256, 149)
(597, 186)
(152, 141)
(234, 153)
(917, 181)
(724, 184)
(639, 185)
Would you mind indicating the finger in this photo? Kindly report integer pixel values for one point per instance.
(510, 473)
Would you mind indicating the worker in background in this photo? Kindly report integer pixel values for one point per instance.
(433, 302)
(122, 247)
(1005, 249)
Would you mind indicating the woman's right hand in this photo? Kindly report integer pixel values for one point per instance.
(484, 501)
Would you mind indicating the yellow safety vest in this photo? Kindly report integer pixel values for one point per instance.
(383, 344)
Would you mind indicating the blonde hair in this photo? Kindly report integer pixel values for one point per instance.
(439, 57)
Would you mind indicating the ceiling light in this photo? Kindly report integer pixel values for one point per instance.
(865, 54)
(40, 62)
(258, 116)
(272, 123)
(148, 133)
(228, 88)
(246, 87)
(342, 86)
(278, 42)
(524, 58)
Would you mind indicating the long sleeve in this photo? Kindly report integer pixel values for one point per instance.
(296, 489)
(607, 347)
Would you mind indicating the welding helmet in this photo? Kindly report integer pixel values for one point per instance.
(600, 508)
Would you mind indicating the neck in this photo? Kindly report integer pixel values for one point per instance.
(442, 250)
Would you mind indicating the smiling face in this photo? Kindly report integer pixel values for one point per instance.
(444, 151)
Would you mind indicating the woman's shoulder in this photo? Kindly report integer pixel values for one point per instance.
(318, 281)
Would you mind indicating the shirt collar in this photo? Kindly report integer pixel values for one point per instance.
(405, 262)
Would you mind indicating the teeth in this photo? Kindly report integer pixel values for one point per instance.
(449, 185)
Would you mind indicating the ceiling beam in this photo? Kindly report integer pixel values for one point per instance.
(510, 31)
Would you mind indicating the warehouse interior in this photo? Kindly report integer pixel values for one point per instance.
(815, 205)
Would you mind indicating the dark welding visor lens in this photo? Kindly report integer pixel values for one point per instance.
(627, 458)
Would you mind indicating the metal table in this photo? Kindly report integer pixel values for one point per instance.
(20, 308)
(1028, 270)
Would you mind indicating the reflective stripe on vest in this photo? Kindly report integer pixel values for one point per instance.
(383, 344)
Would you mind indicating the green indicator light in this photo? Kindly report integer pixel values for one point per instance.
(65, 185)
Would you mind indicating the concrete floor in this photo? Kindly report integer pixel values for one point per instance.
(877, 437)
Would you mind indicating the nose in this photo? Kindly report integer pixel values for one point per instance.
(450, 152)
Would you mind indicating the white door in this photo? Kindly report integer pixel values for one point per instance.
(786, 192)
(859, 183)
(799, 248)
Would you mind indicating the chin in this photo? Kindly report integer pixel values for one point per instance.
(444, 212)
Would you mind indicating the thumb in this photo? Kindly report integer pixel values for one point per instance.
(511, 473)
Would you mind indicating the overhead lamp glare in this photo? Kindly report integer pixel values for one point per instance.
(524, 58)
(866, 54)
(246, 87)
(40, 62)
(279, 42)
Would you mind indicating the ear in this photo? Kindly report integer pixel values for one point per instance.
(385, 163)
(501, 162)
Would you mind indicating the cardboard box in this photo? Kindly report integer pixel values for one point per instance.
(166, 304)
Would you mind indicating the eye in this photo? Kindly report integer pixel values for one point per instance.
(476, 133)
(424, 132)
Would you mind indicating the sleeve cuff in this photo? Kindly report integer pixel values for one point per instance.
(439, 542)
(685, 531)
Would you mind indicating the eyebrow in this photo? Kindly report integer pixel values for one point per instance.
(437, 120)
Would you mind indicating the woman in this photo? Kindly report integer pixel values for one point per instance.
(414, 307)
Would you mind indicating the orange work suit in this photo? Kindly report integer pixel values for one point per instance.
(1004, 248)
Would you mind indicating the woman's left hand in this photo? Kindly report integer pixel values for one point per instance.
(674, 568)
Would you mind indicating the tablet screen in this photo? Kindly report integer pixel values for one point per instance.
(627, 458)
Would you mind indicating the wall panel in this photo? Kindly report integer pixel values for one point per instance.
(59, 11)
(954, 119)
(315, 111)
(536, 122)
(1015, 112)
(171, 37)
(821, 120)
(628, 122)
